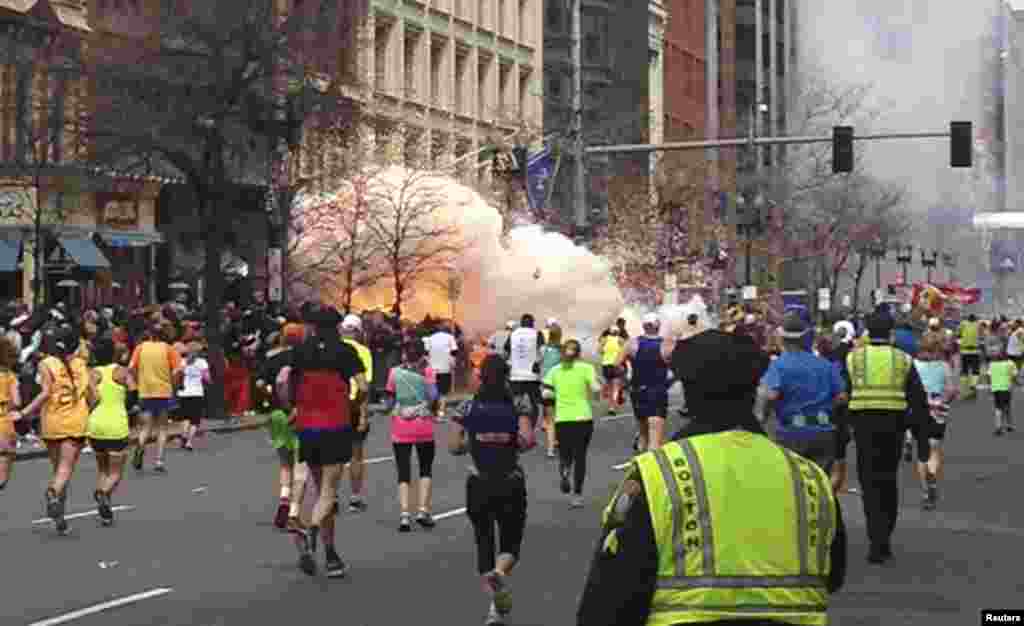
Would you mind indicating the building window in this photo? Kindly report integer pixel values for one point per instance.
(481, 14)
(524, 30)
(504, 87)
(483, 85)
(412, 44)
(437, 64)
(555, 88)
(501, 18)
(380, 55)
(461, 76)
(555, 13)
(595, 38)
(524, 93)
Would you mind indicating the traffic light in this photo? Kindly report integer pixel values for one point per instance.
(960, 144)
(842, 149)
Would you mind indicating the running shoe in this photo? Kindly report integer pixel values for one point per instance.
(103, 507)
(998, 432)
(159, 467)
(576, 502)
(425, 519)
(356, 505)
(405, 523)
(137, 458)
(334, 567)
(552, 455)
(1011, 429)
(493, 617)
(281, 516)
(54, 506)
(932, 490)
(495, 584)
(306, 543)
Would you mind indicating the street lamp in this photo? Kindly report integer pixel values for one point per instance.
(929, 263)
(749, 224)
(905, 256)
(877, 251)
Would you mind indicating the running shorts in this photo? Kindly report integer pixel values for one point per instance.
(649, 402)
(8, 444)
(610, 372)
(326, 448)
(192, 408)
(158, 406)
(970, 364)
(938, 432)
(527, 397)
(281, 433)
(109, 445)
(1001, 400)
(444, 384)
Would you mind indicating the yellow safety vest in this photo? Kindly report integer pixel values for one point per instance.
(968, 337)
(878, 375)
(743, 527)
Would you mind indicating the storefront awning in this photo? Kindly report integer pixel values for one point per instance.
(9, 255)
(84, 252)
(131, 239)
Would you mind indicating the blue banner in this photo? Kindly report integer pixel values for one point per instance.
(539, 168)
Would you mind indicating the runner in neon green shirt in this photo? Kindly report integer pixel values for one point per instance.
(572, 383)
(1003, 376)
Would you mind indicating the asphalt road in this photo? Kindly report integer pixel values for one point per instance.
(197, 546)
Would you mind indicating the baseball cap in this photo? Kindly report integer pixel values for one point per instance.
(352, 322)
(792, 326)
(651, 319)
(552, 321)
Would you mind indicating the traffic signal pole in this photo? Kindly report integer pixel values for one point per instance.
(756, 141)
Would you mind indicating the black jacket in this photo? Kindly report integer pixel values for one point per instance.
(620, 587)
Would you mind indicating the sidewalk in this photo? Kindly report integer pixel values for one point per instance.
(251, 422)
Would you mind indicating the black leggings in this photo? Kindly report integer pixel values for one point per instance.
(501, 502)
(573, 441)
(403, 459)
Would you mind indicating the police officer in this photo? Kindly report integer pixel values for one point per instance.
(723, 483)
(886, 399)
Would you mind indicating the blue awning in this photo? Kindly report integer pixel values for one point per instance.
(9, 255)
(84, 252)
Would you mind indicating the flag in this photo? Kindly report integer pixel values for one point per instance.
(539, 168)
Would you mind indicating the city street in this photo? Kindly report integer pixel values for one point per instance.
(196, 546)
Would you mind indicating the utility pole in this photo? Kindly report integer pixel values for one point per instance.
(758, 76)
(579, 170)
(711, 9)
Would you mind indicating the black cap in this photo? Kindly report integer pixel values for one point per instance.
(793, 326)
(325, 317)
(879, 325)
(718, 365)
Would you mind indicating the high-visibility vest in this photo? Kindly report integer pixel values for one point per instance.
(878, 376)
(743, 527)
(968, 337)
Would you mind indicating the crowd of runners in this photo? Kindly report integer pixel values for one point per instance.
(107, 384)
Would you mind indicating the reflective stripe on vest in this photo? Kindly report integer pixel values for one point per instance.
(691, 584)
(874, 388)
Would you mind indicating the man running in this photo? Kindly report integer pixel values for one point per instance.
(649, 393)
(523, 347)
(351, 329)
(319, 379)
(157, 367)
(441, 349)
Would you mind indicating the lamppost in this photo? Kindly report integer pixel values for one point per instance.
(748, 224)
(929, 263)
(905, 256)
(877, 251)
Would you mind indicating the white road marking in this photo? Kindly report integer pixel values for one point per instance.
(621, 466)
(379, 459)
(451, 513)
(103, 606)
(47, 520)
(199, 490)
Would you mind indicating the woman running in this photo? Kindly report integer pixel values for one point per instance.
(10, 400)
(572, 383)
(67, 393)
(109, 431)
(490, 429)
(413, 393)
(192, 395)
(941, 386)
(611, 345)
(282, 437)
(550, 355)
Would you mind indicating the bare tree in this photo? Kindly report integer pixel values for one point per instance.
(216, 89)
(407, 225)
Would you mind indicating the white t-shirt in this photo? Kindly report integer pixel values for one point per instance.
(523, 355)
(192, 386)
(440, 346)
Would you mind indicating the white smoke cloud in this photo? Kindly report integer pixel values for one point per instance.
(538, 272)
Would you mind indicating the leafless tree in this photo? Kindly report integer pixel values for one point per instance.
(407, 225)
(214, 92)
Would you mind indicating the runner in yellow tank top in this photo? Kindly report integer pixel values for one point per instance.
(9, 403)
(67, 393)
(108, 425)
(610, 348)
